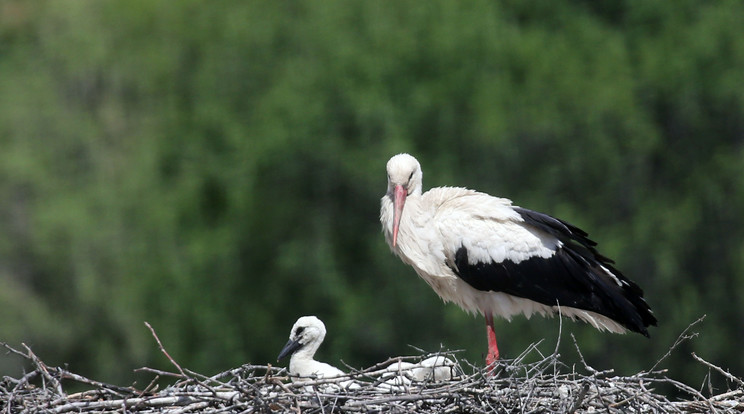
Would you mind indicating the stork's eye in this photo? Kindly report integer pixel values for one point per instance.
(410, 176)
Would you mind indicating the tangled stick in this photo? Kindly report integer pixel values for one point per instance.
(546, 385)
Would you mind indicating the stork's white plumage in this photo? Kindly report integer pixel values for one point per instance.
(304, 339)
(401, 374)
(491, 257)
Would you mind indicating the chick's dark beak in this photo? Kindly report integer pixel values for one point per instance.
(290, 348)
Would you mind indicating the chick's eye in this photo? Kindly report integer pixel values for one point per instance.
(299, 330)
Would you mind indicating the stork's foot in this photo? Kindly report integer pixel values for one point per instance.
(493, 350)
(492, 358)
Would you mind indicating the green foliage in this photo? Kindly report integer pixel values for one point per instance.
(215, 169)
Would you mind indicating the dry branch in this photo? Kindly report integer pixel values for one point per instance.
(546, 386)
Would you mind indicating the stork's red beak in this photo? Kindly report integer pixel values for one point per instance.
(398, 201)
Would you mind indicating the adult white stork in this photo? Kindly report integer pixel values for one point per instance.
(491, 257)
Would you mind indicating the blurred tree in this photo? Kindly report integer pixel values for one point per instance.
(216, 169)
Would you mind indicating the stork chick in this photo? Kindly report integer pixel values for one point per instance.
(304, 339)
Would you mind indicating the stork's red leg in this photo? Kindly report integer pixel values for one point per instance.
(493, 349)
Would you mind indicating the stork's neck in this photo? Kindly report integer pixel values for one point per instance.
(414, 216)
(415, 190)
(410, 214)
(307, 352)
(302, 366)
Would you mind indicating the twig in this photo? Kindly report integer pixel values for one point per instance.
(579, 398)
(151, 387)
(719, 369)
(65, 374)
(43, 370)
(680, 339)
(158, 372)
(162, 349)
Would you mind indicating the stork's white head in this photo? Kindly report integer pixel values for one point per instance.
(306, 336)
(404, 178)
(405, 171)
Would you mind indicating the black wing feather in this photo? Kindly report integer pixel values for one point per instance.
(574, 276)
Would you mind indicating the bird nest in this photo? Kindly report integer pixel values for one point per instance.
(546, 385)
